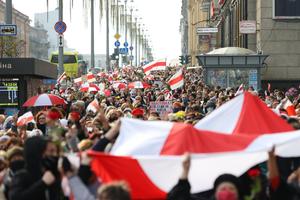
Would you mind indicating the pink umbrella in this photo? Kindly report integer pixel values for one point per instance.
(44, 100)
(138, 85)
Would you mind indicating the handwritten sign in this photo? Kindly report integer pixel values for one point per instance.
(161, 107)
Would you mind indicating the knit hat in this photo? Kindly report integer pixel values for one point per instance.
(231, 179)
(75, 116)
(13, 152)
(137, 112)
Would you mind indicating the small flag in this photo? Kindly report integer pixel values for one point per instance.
(90, 78)
(240, 90)
(176, 80)
(61, 78)
(289, 107)
(25, 119)
(78, 80)
(155, 65)
(93, 106)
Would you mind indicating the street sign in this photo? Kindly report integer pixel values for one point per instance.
(8, 30)
(60, 27)
(131, 48)
(130, 57)
(117, 43)
(247, 27)
(123, 50)
(125, 44)
(202, 30)
(117, 36)
(60, 40)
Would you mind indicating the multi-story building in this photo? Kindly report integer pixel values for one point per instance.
(277, 33)
(39, 44)
(22, 21)
(47, 21)
(198, 16)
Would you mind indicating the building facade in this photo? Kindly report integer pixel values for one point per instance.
(39, 44)
(277, 33)
(22, 21)
(47, 21)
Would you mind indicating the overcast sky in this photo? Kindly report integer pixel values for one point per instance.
(161, 18)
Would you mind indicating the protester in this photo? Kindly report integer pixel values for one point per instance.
(45, 170)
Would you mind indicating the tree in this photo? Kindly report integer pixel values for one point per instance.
(11, 46)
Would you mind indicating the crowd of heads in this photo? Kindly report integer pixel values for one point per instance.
(71, 128)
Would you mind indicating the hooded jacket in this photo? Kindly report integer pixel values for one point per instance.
(27, 184)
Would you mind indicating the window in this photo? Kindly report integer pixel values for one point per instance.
(67, 59)
(286, 9)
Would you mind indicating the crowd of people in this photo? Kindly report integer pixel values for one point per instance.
(35, 161)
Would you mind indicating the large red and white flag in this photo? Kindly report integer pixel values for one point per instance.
(176, 80)
(155, 65)
(62, 77)
(93, 106)
(25, 119)
(154, 156)
(289, 107)
(244, 114)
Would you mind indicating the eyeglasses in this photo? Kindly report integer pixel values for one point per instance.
(42, 118)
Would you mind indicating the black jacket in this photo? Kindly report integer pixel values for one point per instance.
(27, 184)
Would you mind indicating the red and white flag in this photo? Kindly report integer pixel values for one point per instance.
(90, 78)
(240, 90)
(25, 119)
(155, 65)
(176, 80)
(78, 80)
(61, 78)
(89, 87)
(138, 85)
(154, 156)
(93, 106)
(289, 107)
(244, 114)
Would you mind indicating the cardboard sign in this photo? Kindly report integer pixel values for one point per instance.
(161, 107)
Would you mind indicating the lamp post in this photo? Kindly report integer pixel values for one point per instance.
(136, 42)
(92, 36)
(8, 12)
(107, 37)
(61, 48)
(131, 34)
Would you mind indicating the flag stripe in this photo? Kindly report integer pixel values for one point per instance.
(176, 79)
(115, 168)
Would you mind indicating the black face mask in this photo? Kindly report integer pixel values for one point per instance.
(175, 110)
(50, 163)
(16, 165)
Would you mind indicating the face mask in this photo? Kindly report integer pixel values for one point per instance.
(16, 165)
(50, 163)
(226, 195)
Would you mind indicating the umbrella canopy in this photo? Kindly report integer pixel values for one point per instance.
(138, 85)
(44, 100)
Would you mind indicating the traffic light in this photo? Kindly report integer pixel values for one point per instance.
(182, 60)
(188, 59)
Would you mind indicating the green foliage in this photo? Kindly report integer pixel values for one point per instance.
(11, 46)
